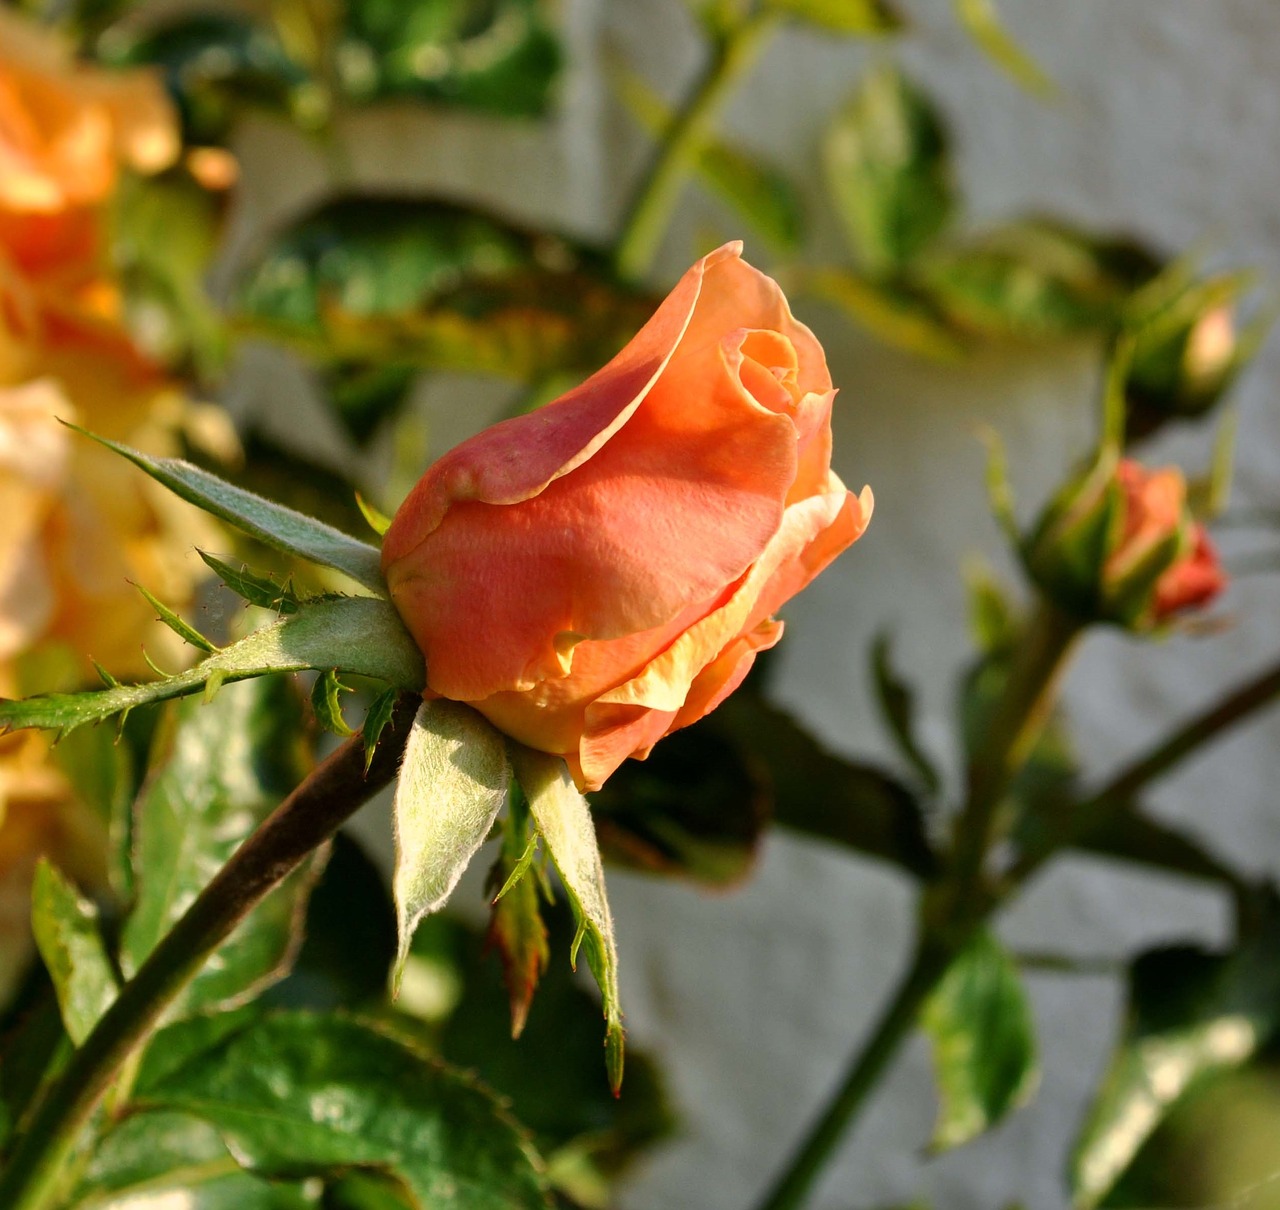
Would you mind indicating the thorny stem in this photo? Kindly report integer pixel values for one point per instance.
(655, 199)
(305, 820)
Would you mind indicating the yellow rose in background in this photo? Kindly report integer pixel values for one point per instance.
(66, 129)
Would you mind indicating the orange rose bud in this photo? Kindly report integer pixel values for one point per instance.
(1118, 544)
(1155, 509)
(603, 571)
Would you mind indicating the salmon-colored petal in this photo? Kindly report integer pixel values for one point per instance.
(517, 459)
(726, 672)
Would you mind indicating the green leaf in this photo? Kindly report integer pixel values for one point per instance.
(897, 707)
(301, 1095)
(822, 795)
(552, 1074)
(453, 782)
(842, 16)
(696, 808)
(186, 632)
(890, 312)
(500, 56)
(164, 237)
(980, 19)
(889, 171)
(760, 193)
(359, 635)
(216, 65)
(68, 937)
(564, 822)
(1034, 279)
(162, 1158)
(257, 589)
(516, 929)
(984, 1052)
(1191, 1015)
(421, 282)
(292, 532)
(217, 771)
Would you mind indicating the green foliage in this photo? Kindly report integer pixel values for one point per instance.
(760, 193)
(360, 635)
(218, 769)
(819, 794)
(982, 21)
(984, 1052)
(69, 938)
(278, 526)
(889, 172)
(500, 56)
(217, 64)
(257, 589)
(298, 1094)
(1191, 1014)
(453, 782)
(370, 279)
(847, 17)
(151, 1154)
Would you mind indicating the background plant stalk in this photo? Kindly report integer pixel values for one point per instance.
(333, 792)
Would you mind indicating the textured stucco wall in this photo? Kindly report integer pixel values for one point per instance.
(1166, 127)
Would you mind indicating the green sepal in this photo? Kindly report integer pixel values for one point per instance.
(186, 632)
(292, 532)
(563, 819)
(379, 522)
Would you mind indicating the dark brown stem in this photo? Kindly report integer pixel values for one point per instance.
(310, 815)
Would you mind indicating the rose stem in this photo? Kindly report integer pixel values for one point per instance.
(333, 791)
(1119, 793)
(932, 960)
(655, 199)
(1017, 722)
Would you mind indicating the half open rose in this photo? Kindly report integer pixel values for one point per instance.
(604, 570)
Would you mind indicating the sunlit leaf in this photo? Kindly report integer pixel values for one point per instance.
(890, 312)
(69, 938)
(496, 55)
(1035, 278)
(420, 282)
(453, 782)
(564, 823)
(889, 171)
(278, 526)
(983, 22)
(298, 1094)
(842, 16)
(217, 771)
(1191, 1014)
(360, 635)
(984, 1052)
(149, 1157)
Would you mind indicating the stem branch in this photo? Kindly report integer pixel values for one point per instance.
(655, 199)
(332, 793)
